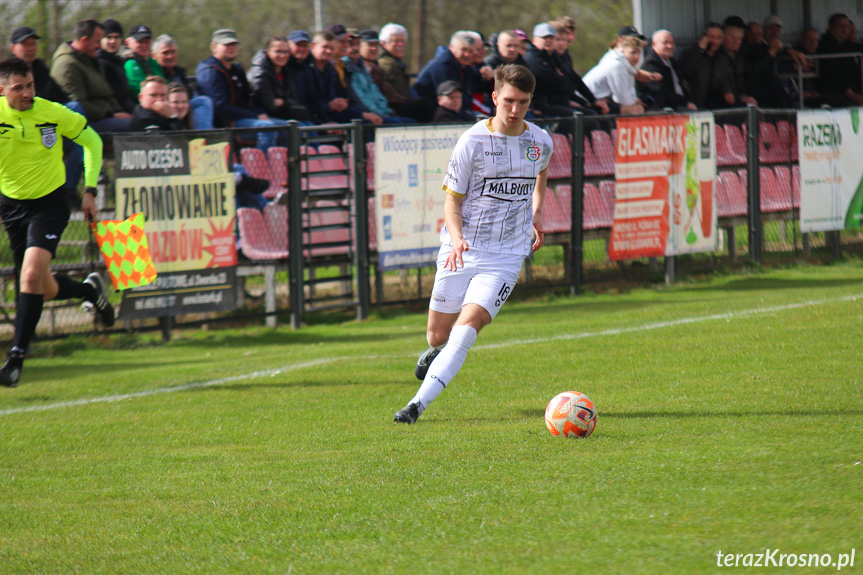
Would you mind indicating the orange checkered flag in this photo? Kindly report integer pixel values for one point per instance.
(125, 251)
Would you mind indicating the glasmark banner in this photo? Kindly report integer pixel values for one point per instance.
(665, 169)
(185, 189)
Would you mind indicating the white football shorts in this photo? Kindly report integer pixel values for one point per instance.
(486, 279)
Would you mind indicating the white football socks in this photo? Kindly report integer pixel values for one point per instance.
(446, 365)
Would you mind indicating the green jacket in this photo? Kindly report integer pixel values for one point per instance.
(84, 80)
(137, 72)
(395, 72)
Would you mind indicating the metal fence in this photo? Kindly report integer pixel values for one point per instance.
(313, 246)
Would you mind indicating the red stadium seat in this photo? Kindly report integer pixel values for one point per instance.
(276, 217)
(795, 186)
(258, 166)
(606, 203)
(772, 197)
(591, 220)
(257, 241)
(603, 149)
(560, 166)
(786, 186)
(339, 233)
(730, 149)
(730, 195)
(554, 216)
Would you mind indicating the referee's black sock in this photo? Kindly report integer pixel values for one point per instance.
(71, 289)
(26, 319)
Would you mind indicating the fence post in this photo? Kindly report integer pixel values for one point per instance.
(295, 225)
(756, 236)
(576, 227)
(361, 206)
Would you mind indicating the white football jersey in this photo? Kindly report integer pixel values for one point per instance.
(496, 174)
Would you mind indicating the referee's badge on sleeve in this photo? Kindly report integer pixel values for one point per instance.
(49, 134)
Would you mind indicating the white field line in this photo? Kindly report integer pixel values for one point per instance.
(324, 361)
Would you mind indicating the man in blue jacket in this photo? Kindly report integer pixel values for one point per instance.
(451, 63)
(224, 80)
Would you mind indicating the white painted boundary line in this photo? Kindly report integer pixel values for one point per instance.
(324, 361)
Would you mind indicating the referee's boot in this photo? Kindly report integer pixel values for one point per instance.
(10, 373)
(425, 361)
(104, 309)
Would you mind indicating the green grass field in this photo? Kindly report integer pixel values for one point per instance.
(730, 418)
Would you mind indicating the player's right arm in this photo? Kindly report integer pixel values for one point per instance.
(452, 217)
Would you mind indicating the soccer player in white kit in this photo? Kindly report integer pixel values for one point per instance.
(495, 185)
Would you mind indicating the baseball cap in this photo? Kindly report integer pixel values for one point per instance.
(111, 26)
(298, 36)
(448, 87)
(521, 34)
(773, 20)
(631, 31)
(225, 36)
(369, 35)
(340, 32)
(22, 33)
(139, 32)
(544, 30)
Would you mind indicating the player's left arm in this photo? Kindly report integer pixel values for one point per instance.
(92, 144)
(538, 200)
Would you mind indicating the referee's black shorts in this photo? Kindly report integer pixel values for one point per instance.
(34, 223)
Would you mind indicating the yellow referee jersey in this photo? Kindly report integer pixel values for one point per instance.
(31, 148)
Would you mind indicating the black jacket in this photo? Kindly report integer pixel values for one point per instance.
(144, 119)
(659, 95)
(115, 73)
(46, 87)
(696, 66)
(267, 85)
(552, 85)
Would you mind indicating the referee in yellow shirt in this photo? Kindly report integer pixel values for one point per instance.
(32, 204)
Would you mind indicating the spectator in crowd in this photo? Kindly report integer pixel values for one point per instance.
(394, 39)
(165, 53)
(613, 78)
(728, 88)
(504, 50)
(271, 82)
(299, 67)
(807, 45)
(365, 89)
(78, 73)
(24, 44)
(224, 81)
(140, 63)
(584, 100)
(452, 63)
(154, 111)
(760, 51)
(178, 98)
(336, 105)
(449, 109)
(554, 95)
(668, 92)
(343, 38)
(416, 108)
(696, 64)
(525, 41)
(839, 78)
(483, 78)
(114, 65)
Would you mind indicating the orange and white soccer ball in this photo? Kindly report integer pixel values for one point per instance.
(570, 414)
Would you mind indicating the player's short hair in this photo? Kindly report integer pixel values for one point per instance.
(13, 67)
(86, 28)
(515, 75)
(324, 36)
(153, 80)
(713, 25)
(564, 23)
(388, 30)
(630, 42)
(163, 40)
(277, 38)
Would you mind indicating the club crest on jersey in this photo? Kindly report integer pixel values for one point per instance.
(532, 153)
(49, 134)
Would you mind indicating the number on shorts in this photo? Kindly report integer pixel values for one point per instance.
(502, 295)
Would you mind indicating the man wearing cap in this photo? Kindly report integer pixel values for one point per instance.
(114, 65)
(451, 63)
(141, 63)
(555, 94)
(224, 80)
(449, 104)
(417, 108)
(299, 68)
(362, 85)
(394, 38)
(271, 82)
(24, 44)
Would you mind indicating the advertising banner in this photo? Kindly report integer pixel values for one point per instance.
(185, 189)
(831, 173)
(665, 167)
(409, 172)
